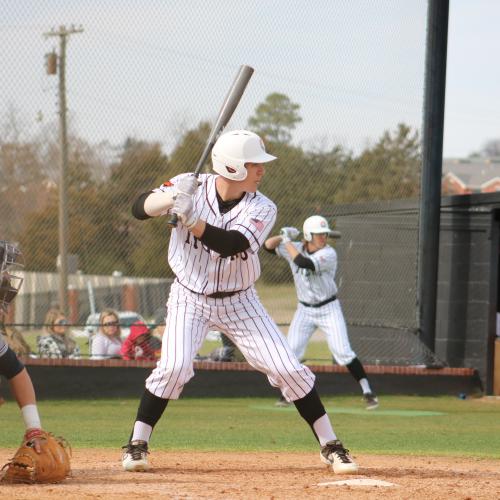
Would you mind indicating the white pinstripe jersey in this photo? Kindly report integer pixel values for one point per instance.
(313, 286)
(203, 270)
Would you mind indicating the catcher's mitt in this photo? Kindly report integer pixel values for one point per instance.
(51, 465)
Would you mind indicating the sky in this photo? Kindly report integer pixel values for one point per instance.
(152, 68)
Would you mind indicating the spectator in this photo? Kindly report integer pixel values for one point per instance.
(57, 342)
(15, 340)
(140, 344)
(107, 342)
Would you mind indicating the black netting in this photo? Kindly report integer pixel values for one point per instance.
(337, 95)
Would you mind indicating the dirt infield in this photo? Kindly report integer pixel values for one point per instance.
(97, 473)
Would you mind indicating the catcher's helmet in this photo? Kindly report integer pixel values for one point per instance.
(11, 262)
(314, 225)
(233, 149)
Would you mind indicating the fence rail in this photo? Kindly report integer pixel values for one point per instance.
(86, 292)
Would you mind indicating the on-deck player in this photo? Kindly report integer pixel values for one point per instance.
(213, 254)
(10, 366)
(314, 264)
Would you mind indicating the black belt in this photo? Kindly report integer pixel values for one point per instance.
(223, 295)
(215, 295)
(319, 304)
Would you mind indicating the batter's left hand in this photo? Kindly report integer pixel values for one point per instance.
(289, 234)
(183, 207)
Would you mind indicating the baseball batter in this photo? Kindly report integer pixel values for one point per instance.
(213, 253)
(314, 264)
(10, 366)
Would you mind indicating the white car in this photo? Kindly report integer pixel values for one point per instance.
(126, 319)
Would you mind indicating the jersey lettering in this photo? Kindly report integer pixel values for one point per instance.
(242, 255)
(303, 271)
(195, 242)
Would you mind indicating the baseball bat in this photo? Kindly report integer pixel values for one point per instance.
(226, 111)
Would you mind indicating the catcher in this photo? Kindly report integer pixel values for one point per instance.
(41, 458)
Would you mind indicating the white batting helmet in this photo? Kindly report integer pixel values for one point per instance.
(314, 225)
(233, 149)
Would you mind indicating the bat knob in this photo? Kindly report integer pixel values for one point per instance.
(172, 222)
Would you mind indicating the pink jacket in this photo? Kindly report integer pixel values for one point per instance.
(138, 344)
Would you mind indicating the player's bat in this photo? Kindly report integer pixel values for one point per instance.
(230, 102)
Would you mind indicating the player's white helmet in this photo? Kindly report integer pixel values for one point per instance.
(233, 149)
(314, 225)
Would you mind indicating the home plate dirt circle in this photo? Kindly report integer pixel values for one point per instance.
(364, 481)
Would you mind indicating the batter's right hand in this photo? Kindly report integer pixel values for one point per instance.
(187, 185)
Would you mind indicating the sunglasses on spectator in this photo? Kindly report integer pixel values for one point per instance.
(111, 323)
(62, 322)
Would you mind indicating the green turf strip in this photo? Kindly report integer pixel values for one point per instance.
(469, 427)
(356, 411)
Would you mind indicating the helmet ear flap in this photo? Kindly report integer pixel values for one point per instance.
(230, 170)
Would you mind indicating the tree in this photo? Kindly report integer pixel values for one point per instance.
(39, 237)
(301, 184)
(142, 167)
(491, 148)
(152, 236)
(22, 186)
(275, 118)
(189, 149)
(387, 171)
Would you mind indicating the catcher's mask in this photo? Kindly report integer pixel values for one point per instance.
(11, 263)
(233, 149)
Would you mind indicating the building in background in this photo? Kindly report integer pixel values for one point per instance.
(470, 175)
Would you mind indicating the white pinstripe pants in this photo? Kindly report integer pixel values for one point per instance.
(245, 321)
(328, 318)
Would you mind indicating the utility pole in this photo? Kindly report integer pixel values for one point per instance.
(63, 33)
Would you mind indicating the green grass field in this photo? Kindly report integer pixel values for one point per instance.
(401, 425)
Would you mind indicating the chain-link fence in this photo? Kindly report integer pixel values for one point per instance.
(337, 95)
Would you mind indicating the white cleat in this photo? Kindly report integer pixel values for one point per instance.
(135, 457)
(338, 457)
(371, 400)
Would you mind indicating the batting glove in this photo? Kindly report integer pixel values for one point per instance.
(289, 234)
(183, 207)
(187, 185)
